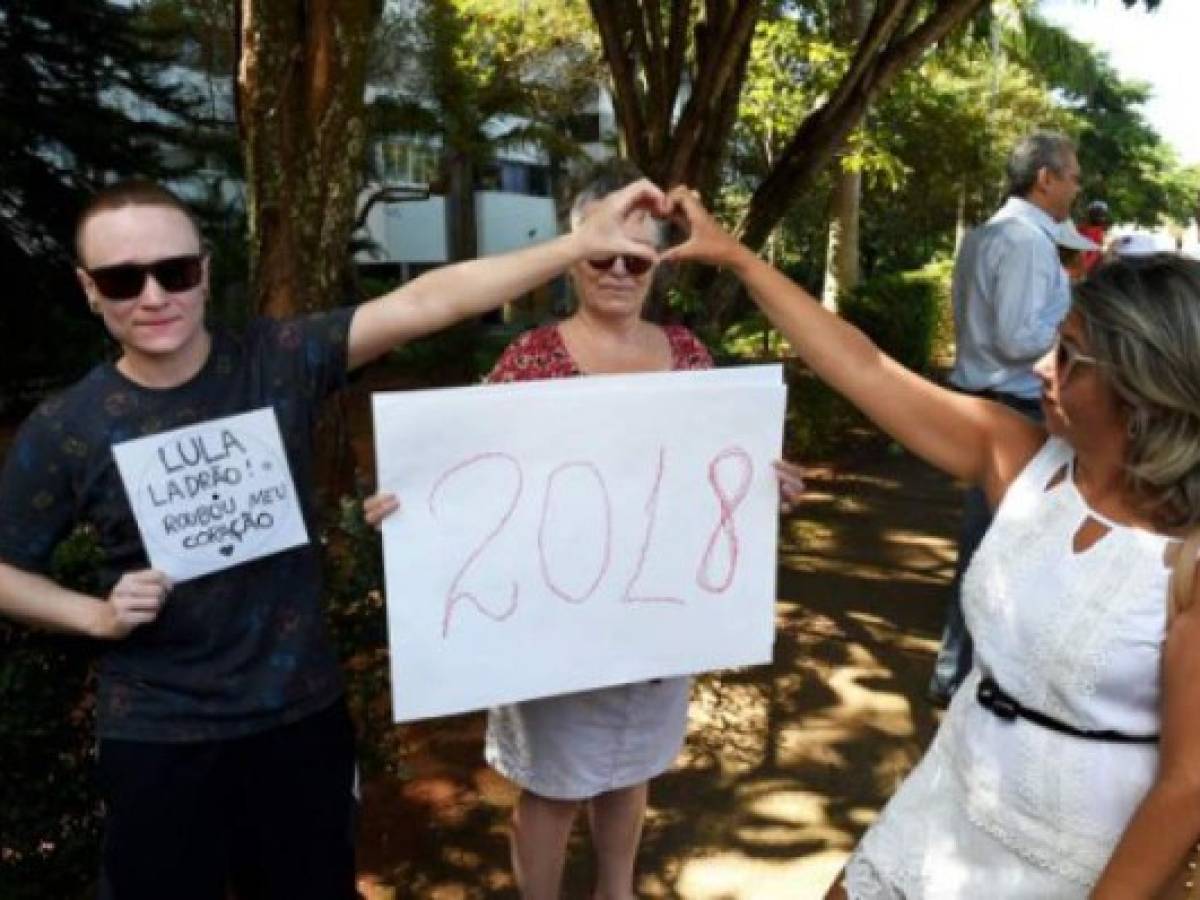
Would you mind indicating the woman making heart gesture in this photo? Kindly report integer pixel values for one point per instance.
(598, 749)
(1067, 767)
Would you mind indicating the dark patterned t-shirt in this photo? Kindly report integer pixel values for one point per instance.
(231, 653)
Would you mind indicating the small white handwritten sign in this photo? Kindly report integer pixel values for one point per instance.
(211, 496)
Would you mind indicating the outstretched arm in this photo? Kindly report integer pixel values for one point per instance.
(973, 439)
(452, 293)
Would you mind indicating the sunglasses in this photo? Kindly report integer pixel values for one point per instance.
(1067, 357)
(634, 265)
(174, 274)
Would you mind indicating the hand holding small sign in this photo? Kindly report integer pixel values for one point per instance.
(136, 599)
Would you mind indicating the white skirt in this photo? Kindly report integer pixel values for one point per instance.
(926, 845)
(576, 746)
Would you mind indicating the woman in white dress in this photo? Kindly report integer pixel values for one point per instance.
(1069, 765)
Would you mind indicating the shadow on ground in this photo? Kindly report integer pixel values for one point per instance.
(785, 765)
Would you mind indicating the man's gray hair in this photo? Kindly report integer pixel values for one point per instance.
(1034, 152)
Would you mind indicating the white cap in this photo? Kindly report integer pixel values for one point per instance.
(1135, 243)
(1068, 236)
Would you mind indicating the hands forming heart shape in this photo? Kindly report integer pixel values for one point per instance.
(604, 231)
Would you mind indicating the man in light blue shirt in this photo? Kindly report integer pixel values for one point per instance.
(1010, 293)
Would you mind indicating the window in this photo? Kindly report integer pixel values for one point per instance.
(514, 178)
(401, 161)
(517, 178)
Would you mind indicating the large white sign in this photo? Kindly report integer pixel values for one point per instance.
(211, 496)
(557, 536)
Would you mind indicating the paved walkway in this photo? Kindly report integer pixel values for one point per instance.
(785, 765)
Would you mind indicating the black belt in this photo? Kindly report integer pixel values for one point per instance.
(992, 697)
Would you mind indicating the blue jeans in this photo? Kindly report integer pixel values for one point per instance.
(955, 655)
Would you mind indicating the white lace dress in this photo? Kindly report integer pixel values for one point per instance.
(1002, 809)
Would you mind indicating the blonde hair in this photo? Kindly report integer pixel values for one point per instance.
(1142, 319)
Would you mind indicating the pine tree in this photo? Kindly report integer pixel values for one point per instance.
(86, 95)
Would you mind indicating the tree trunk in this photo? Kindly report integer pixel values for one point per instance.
(961, 225)
(301, 75)
(300, 82)
(653, 68)
(461, 221)
(842, 253)
(713, 148)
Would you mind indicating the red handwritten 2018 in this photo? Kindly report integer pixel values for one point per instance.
(603, 568)
(454, 595)
(727, 501)
(728, 506)
(651, 518)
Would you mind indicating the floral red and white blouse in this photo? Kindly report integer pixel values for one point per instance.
(541, 353)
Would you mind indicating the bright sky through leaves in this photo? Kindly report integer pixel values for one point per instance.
(1158, 48)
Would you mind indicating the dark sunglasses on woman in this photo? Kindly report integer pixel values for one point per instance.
(634, 265)
(125, 281)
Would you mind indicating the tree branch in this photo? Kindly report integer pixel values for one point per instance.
(712, 149)
(880, 30)
(703, 106)
(624, 76)
(676, 46)
(949, 15)
(656, 61)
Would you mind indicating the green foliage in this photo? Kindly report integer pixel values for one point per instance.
(795, 64)
(950, 123)
(932, 149)
(50, 816)
(228, 302)
(211, 27)
(901, 313)
(791, 68)
(460, 355)
(358, 624)
(476, 76)
(820, 423)
(750, 338)
(938, 274)
(908, 316)
(1124, 160)
(83, 97)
